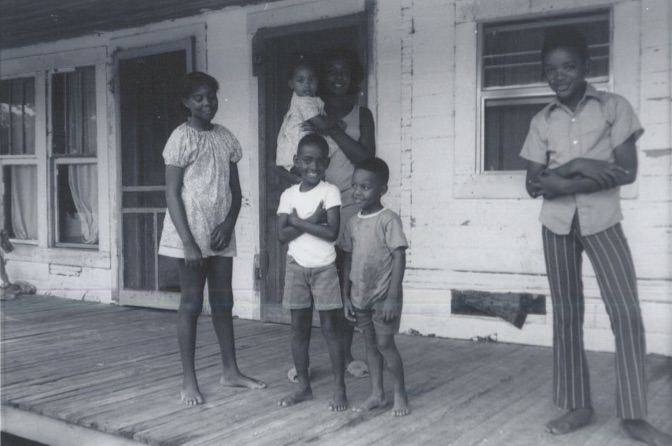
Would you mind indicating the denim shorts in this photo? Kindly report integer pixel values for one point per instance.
(305, 286)
(373, 319)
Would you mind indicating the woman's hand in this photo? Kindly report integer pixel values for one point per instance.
(321, 123)
(221, 235)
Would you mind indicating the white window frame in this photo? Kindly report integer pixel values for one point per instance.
(470, 180)
(57, 160)
(521, 93)
(41, 67)
(23, 159)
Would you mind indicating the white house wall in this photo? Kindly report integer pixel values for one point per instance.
(467, 231)
(470, 231)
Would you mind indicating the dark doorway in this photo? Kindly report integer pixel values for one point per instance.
(273, 49)
(149, 111)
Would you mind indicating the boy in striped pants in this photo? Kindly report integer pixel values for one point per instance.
(580, 149)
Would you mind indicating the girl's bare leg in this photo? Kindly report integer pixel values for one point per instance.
(192, 283)
(221, 303)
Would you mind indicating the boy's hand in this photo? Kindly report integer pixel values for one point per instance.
(293, 218)
(193, 257)
(550, 184)
(348, 309)
(221, 236)
(319, 216)
(391, 309)
(535, 189)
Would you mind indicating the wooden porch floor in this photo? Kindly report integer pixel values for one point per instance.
(116, 370)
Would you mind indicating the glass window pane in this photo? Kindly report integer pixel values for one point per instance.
(512, 50)
(74, 112)
(506, 126)
(20, 201)
(17, 117)
(77, 204)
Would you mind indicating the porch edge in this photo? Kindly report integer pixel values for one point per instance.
(55, 432)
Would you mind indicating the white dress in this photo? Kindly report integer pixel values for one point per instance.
(205, 156)
(301, 108)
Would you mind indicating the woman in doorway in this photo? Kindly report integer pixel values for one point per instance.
(350, 131)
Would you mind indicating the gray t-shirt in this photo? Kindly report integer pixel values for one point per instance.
(372, 239)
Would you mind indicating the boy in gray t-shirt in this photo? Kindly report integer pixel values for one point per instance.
(375, 248)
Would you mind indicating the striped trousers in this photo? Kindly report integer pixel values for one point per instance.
(610, 257)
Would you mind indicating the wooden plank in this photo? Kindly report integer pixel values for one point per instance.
(55, 432)
(126, 381)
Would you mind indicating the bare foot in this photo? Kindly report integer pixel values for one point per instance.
(643, 431)
(339, 402)
(400, 408)
(190, 394)
(372, 402)
(571, 421)
(296, 397)
(241, 380)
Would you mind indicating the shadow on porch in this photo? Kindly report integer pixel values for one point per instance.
(92, 374)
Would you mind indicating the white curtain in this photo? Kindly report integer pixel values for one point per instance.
(83, 181)
(24, 199)
(81, 123)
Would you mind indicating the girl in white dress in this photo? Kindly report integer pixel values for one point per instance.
(204, 197)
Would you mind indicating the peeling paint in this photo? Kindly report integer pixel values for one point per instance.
(64, 270)
(657, 153)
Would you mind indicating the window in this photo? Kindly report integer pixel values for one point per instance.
(17, 158)
(74, 153)
(512, 89)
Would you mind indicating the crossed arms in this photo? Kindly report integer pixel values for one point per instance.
(583, 175)
(291, 226)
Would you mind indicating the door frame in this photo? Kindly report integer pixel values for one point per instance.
(259, 48)
(154, 298)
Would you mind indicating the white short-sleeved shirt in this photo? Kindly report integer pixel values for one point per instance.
(301, 108)
(601, 122)
(205, 156)
(307, 250)
(372, 239)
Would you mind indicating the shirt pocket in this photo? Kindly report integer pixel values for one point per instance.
(594, 134)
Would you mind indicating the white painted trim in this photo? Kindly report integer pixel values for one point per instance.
(60, 60)
(102, 155)
(51, 431)
(273, 15)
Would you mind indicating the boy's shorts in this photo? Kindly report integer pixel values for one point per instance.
(305, 286)
(373, 319)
